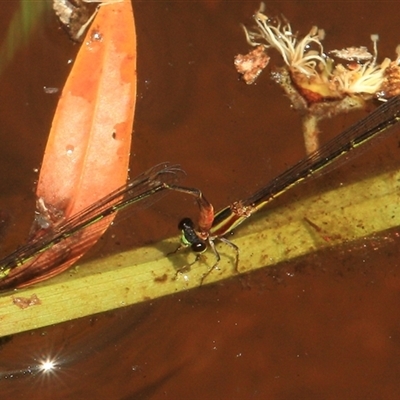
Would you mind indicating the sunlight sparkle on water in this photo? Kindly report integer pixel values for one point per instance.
(47, 365)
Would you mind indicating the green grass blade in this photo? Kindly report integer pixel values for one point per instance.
(346, 214)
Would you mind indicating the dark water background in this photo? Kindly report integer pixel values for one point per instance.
(323, 327)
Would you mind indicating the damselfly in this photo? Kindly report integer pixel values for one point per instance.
(213, 227)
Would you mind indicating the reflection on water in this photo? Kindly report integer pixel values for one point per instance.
(321, 327)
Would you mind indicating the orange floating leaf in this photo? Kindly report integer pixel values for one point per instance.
(87, 153)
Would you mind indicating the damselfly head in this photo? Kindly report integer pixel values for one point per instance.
(190, 237)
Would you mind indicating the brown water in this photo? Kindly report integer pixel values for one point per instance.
(323, 327)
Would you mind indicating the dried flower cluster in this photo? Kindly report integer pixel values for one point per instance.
(314, 70)
(319, 84)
